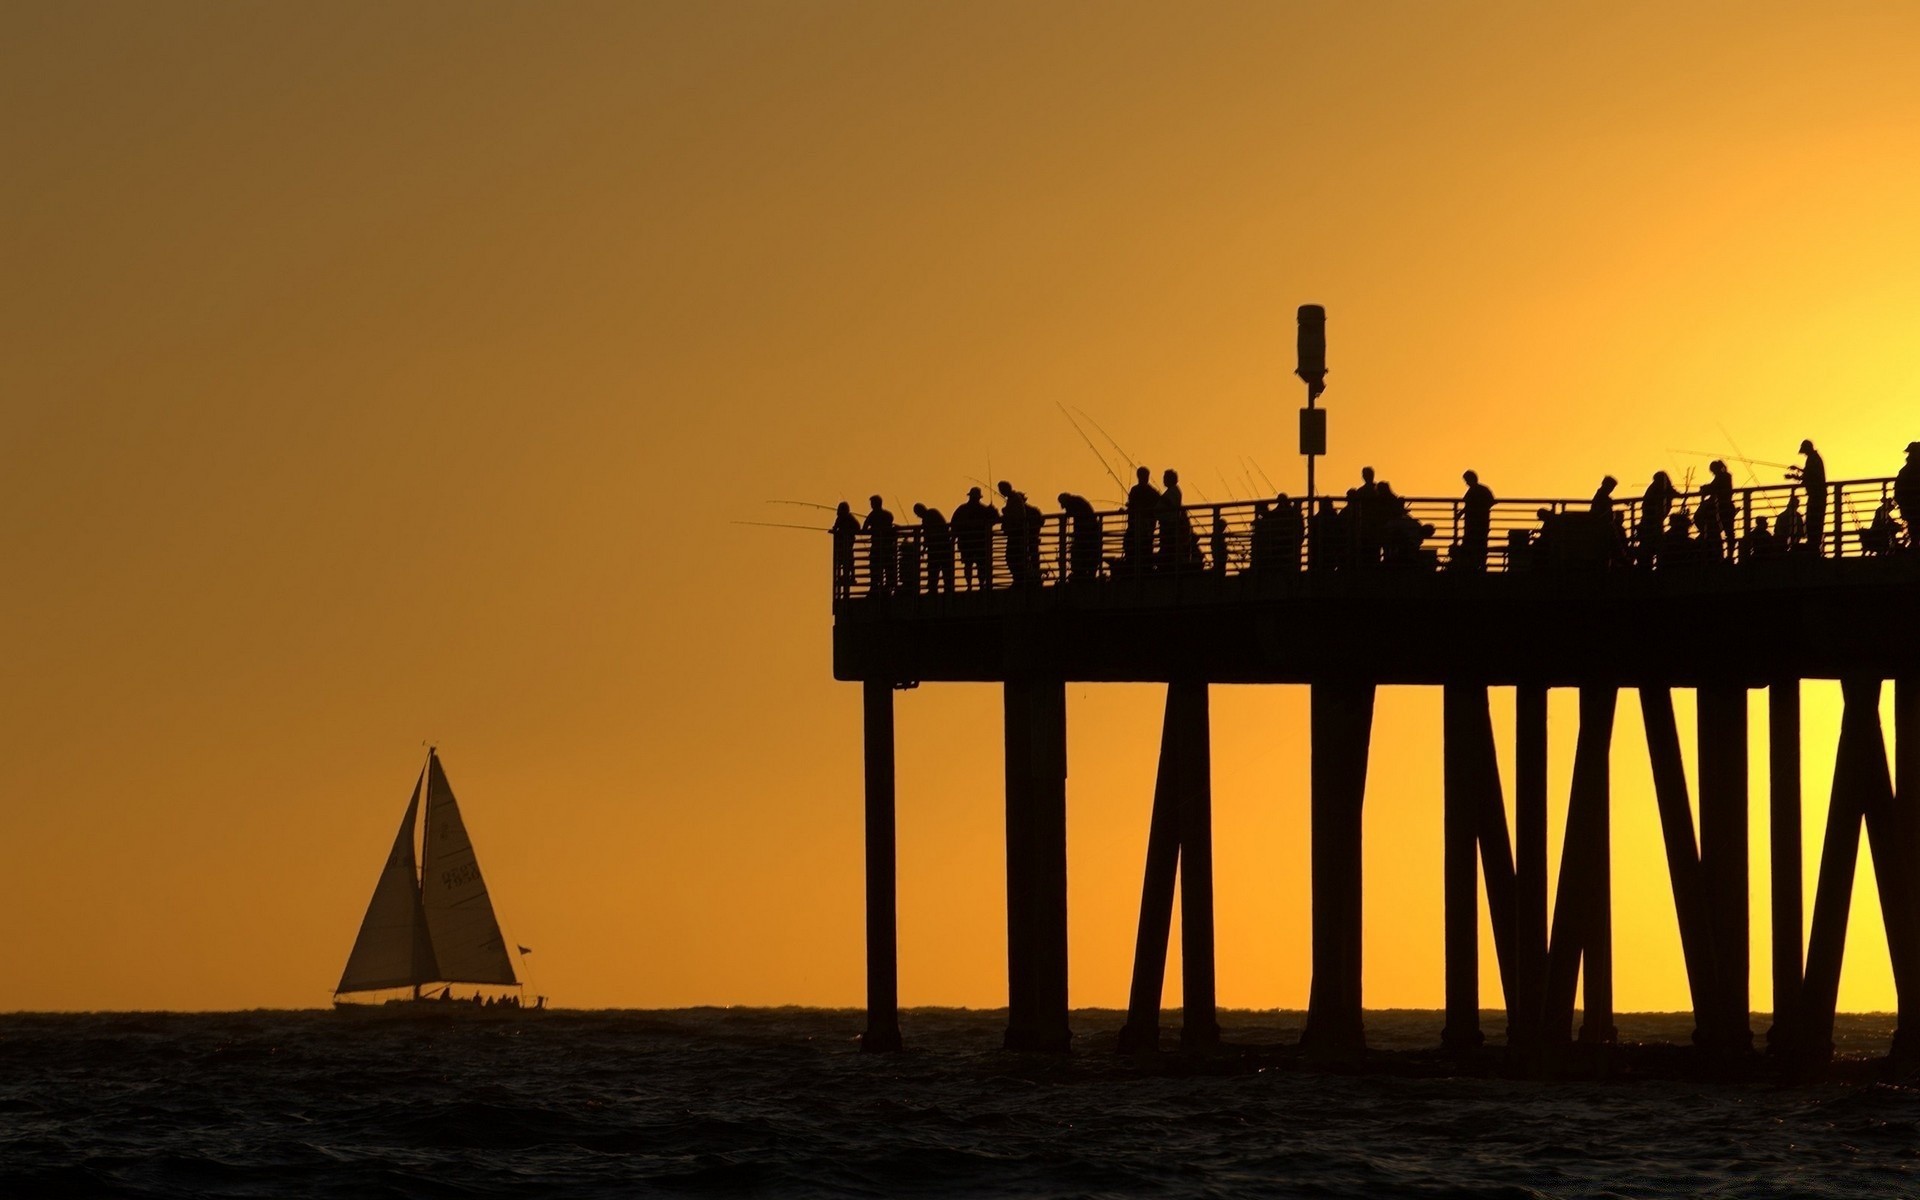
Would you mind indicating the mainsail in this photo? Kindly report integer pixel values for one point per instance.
(393, 949)
(467, 944)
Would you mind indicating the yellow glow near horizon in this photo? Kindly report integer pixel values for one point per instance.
(381, 375)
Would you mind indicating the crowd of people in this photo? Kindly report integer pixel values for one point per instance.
(1372, 526)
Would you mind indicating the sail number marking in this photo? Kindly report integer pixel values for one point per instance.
(460, 876)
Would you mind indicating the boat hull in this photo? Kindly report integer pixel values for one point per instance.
(434, 1010)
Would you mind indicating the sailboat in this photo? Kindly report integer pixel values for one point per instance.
(430, 924)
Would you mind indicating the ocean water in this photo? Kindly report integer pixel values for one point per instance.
(780, 1102)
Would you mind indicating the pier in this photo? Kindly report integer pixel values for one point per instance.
(1562, 596)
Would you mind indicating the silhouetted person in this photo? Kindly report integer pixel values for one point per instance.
(1143, 513)
(1882, 534)
(1706, 522)
(1324, 537)
(908, 557)
(845, 530)
(1759, 542)
(1813, 477)
(1363, 512)
(1177, 547)
(1476, 523)
(1791, 529)
(1906, 491)
(1084, 536)
(1602, 504)
(1677, 548)
(1289, 532)
(1655, 503)
(1401, 534)
(972, 529)
(936, 542)
(1217, 542)
(883, 551)
(1260, 548)
(1021, 524)
(1719, 488)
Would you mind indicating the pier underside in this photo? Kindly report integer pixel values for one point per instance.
(1345, 634)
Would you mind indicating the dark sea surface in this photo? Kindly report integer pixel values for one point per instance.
(780, 1102)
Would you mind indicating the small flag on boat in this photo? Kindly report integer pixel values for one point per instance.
(524, 950)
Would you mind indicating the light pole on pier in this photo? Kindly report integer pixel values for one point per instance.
(1313, 370)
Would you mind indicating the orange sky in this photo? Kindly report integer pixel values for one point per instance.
(377, 374)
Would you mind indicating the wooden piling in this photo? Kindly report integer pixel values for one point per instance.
(883, 965)
(1582, 938)
(1839, 859)
(1690, 902)
(1527, 1007)
(1722, 720)
(1906, 804)
(1142, 1030)
(1342, 719)
(1036, 764)
(1783, 831)
(1461, 780)
(1199, 1017)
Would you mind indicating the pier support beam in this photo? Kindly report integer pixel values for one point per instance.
(1527, 1000)
(1582, 916)
(1854, 778)
(1722, 713)
(1783, 826)
(883, 964)
(1341, 737)
(1691, 905)
(1181, 836)
(1906, 805)
(1475, 845)
(1462, 782)
(1036, 762)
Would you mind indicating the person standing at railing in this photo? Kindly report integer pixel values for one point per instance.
(1177, 549)
(1601, 505)
(1906, 492)
(1677, 548)
(1791, 529)
(883, 550)
(1706, 521)
(1476, 524)
(1289, 532)
(972, 529)
(936, 542)
(1323, 537)
(1021, 524)
(1883, 533)
(1084, 536)
(1365, 519)
(1655, 503)
(1759, 542)
(1218, 542)
(845, 529)
(1143, 509)
(1813, 477)
(1719, 488)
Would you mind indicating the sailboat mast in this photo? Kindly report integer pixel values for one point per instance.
(426, 773)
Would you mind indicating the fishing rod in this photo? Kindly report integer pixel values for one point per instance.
(1757, 462)
(1089, 441)
(1746, 462)
(799, 504)
(781, 525)
(1263, 474)
(1103, 433)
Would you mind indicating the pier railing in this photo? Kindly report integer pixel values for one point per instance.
(1039, 549)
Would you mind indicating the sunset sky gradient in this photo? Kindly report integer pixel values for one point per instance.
(379, 374)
